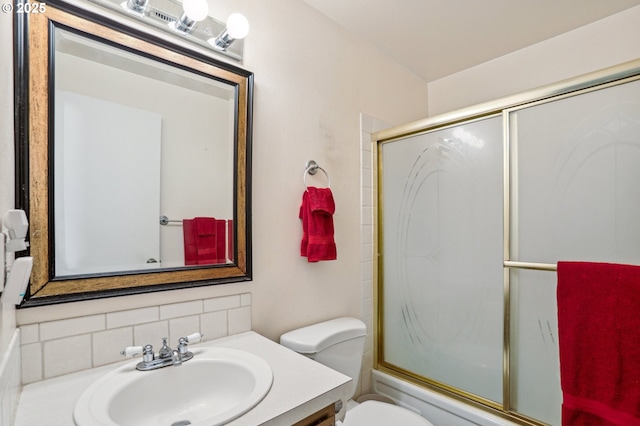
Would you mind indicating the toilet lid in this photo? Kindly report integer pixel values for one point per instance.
(376, 413)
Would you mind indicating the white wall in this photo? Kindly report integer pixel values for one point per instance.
(312, 81)
(309, 93)
(608, 42)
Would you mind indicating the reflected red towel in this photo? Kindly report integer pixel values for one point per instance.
(207, 245)
(200, 242)
(316, 213)
(599, 336)
(230, 252)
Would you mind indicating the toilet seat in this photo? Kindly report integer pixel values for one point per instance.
(376, 413)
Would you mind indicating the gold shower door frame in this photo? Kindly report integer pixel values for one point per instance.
(624, 73)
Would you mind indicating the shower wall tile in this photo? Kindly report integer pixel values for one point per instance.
(368, 177)
(53, 348)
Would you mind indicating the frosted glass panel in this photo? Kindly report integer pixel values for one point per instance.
(442, 259)
(535, 364)
(576, 179)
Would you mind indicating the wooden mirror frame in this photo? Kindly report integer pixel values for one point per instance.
(33, 60)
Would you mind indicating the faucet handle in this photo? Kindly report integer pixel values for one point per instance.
(132, 351)
(195, 338)
(148, 355)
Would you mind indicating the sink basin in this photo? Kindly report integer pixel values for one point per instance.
(215, 387)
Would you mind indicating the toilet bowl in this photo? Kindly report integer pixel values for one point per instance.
(339, 344)
(377, 413)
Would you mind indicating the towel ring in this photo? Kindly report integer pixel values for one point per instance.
(312, 168)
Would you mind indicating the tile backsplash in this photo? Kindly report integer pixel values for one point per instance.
(55, 348)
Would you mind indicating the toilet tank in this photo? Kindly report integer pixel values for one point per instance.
(338, 344)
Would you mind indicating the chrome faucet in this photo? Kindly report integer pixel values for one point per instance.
(166, 356)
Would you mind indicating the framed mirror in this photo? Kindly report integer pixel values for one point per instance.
(133, 159)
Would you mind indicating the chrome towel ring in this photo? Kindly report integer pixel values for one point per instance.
(312, 168)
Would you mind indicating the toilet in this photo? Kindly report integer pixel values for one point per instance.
(339, 344)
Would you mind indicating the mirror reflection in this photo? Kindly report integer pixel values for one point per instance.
(135, 160)
(137, 139)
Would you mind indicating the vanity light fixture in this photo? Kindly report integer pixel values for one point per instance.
(237, 28)
(193, 11)
(136, 6)
(188, 20)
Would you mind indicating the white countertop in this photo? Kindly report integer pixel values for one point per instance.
(300, 388)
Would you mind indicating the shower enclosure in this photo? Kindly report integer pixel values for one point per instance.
(475, 208)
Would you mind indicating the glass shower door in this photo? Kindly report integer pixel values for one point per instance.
(443, 280)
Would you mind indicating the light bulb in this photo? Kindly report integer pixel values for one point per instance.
(196, 10)
(237, 26)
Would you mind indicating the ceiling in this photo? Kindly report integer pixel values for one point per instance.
(435, 38)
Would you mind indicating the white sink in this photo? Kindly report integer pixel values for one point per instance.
(215, 387)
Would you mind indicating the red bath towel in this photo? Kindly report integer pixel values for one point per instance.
(599, 336)
(316, 213)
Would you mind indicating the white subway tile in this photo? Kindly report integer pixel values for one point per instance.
(245, 299)
(365, 141)
(31, 360)
(214, 324)
(366, 197)
(10, 383)
(367, 289)
(366, 179)
(366, 160)
(221, 303)
(239, 320)
(379, 125)
(183, 309)
(367, 216)
(366, 271)
(132, 317)
(29, 334)
(366, 254)
(367, 307)
(181, 327)
(366, 236)
(71, 327)
(108, 344)
(150, 334)
(366, 123)
(67, 355)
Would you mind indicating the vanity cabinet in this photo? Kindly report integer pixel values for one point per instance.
(324, 417)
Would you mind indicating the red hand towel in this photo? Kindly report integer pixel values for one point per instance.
(599, 336)
(316, 213)
(200, 244)
(190, 242)
(206, 240)
(230, 250)
(221, 241)
(303, 214)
